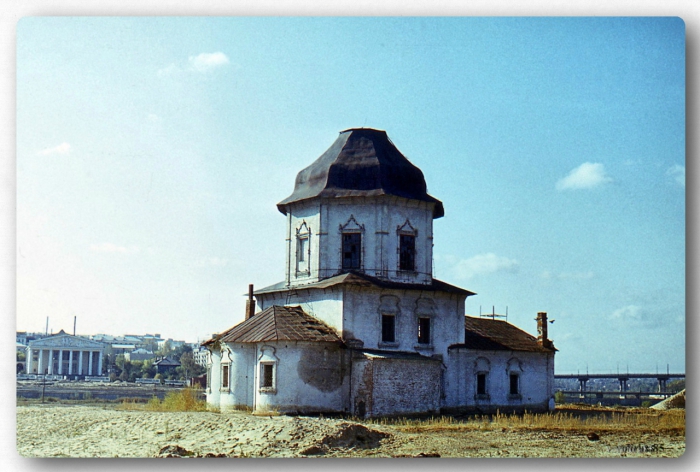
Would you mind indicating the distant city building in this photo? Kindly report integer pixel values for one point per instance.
(139, 355)
(166, 365)
(64, 354)
(200, 355)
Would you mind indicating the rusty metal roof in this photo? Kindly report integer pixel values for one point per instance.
(363, 280)
(361, 162)
(279, 323)
(497, 335)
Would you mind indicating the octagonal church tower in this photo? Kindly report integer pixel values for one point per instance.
(359, 247)
(359, 325)
(362, 207)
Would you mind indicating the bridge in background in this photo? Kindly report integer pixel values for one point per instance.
(622, 378)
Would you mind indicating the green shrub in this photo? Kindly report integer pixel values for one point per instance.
(559, 397)
(183, 400)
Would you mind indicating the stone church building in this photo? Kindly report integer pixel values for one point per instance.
(359, 325)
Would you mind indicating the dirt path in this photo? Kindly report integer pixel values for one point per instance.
(96, 431)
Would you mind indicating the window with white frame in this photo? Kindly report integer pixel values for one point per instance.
(303, 249)
(351, 245)
(267, 376)
(407, 252)
(407, 246)
(352, 251)
(225, 376)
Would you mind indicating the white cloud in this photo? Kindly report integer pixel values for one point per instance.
(112, 248)
(628, 313)
(678, 173)
(587, 175)
(169, 70)
(484, 264)
(568, 275)
(62, 149)
(152, 117)
(635, 315)
(207, 61)
(201, 63)
(211, 262)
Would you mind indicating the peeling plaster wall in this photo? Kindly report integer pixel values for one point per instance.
(308, 377)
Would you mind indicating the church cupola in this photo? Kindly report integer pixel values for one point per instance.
(361, 206)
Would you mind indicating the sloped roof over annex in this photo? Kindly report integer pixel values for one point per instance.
(487, 334)
(363, 280)
(278, 323)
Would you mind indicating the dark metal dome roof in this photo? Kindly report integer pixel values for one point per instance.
(361, 162)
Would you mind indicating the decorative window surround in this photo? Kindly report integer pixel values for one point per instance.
(406, 247)
(303, 250)
(351, 245)
(267, 370)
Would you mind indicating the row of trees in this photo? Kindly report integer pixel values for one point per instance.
(129, 371)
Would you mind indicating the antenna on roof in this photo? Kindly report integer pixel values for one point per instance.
(493, 315)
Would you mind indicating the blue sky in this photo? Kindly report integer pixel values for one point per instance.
(151, 153)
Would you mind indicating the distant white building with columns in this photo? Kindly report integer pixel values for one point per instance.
(64, 354)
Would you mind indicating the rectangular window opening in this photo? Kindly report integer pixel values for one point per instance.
(423, 330)
(388, 328)
(514, 390)
(481, 384)
(301, 252)
(352, 247)
(267, 379)
(224, 377)
(407, 252)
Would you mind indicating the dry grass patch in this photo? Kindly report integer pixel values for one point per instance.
(183, 400)
(639, 420)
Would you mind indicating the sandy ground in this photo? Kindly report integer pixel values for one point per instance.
(103, 431)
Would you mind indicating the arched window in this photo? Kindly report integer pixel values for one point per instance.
(514, 370)
(482, 367)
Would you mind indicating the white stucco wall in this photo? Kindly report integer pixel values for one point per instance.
(378, 219)
(536, 379)
(214, 378)
(362, 310)
(325, 305)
